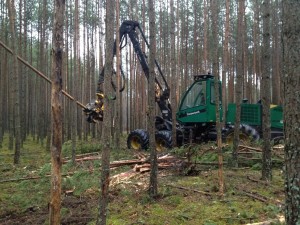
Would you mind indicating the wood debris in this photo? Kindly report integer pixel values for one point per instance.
(261, 198)
(143, 165)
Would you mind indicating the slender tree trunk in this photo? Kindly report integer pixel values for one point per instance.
(231, 88)
(22, 74)
(16, 95)
(291, 82)
(75, 80)
(173, 74)
(276, 50)
(205, 29)
(118, 112)
(151, 102)
(225, 62)
(215, 25)
(104, 182)
(56, 104)
(195, 39)
(255, 51)
(266, 98)
(2, 100)
(239, 81)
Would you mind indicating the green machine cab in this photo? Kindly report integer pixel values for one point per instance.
(198, 102)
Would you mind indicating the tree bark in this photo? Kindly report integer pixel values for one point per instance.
(118, 107)
(239, 81)
(56, 104)
(291, 82)
(173, 73)
(225, 62)
(75, 80)
(16, 95)
(265, 93)
(106, 130)
(151, 102)
(215, 25)
(205, 34)
(276, 54)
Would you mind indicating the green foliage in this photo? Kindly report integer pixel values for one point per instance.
(272, 210)
(208, 222)
(257, 166)
(173, 200)
(81, 147)
(82, 182)
(45, 169)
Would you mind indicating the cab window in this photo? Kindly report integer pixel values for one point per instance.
(196, 96)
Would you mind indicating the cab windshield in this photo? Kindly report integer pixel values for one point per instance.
(195, 96)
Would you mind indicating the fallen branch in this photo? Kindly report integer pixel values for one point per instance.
(126, 162)
(31, 178)
(208, 163)
(262, 198)
(257, 159)
(21, 179)
(81, 155)
(240, 168)
(83, 159)
(188, 189)
(258, 181)
(250, 148)
(259, 198)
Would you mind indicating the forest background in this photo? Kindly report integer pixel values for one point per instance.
(25, 98)
(83, 59)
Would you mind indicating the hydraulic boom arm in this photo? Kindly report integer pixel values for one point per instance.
(129, 29)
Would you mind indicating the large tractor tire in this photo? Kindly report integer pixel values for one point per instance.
(138, 139)
(163, 140)
(247, 134)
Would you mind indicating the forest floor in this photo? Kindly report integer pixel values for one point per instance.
(183, 199)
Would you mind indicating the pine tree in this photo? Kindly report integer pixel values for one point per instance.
(106, 138)
(56, 105)
(151, 102)
(291, 82)
(265, 93)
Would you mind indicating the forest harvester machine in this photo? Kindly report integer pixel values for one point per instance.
(196, 115)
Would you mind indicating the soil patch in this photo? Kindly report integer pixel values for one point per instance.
(75, 210)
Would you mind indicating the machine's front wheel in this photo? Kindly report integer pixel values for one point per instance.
(247, 134)
(163, 140)
(138, 139)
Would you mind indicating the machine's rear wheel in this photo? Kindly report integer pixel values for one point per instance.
(247, 135)
(138, 139)
(163, 140)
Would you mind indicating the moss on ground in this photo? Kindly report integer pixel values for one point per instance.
(27, 200)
